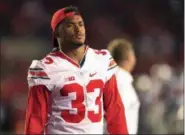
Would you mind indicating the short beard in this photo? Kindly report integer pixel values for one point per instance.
(78, 44)
(71, 46)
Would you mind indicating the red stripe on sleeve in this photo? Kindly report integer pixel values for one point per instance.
(38, 73)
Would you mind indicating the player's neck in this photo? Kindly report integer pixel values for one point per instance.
(126, 66)
(76, 54)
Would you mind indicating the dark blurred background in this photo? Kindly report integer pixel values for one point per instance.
(156, 27)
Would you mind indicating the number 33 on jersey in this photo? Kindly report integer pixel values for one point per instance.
(67, 98)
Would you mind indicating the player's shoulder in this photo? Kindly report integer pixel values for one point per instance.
(38, 74)
(39, 67)
(41, 63)
(36, 65)
(37, 70)
(104, 56)
(101, 53)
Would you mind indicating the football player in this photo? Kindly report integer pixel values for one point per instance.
(74, 86)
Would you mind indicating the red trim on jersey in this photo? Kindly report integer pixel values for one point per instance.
(38, 73)
(112, 63)
(64, 56)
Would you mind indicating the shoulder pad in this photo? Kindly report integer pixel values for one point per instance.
(103, 52)
(37, 70)
(37, 75)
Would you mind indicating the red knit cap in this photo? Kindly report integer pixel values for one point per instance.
(58, 16)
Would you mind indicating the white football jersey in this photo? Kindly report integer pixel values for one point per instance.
(76, 92)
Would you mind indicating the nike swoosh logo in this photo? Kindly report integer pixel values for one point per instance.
(91, 75)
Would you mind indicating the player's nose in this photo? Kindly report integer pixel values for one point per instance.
(77, 29)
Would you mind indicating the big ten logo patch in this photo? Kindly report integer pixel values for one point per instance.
(70, 78)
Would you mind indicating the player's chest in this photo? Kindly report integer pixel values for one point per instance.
(80, 93)
(71, 80)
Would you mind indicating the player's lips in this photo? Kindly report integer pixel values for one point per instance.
(79, 36)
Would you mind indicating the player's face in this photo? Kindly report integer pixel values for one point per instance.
(73, 30)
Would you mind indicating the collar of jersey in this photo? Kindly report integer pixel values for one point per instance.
(64, 56)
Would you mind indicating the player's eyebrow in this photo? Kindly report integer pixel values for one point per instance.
(71, 22)
(68, 21)
(74, 23)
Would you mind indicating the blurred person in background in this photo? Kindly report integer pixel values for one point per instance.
(124, 55)
(68, 86)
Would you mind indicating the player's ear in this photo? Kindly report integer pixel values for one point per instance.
(56, 33)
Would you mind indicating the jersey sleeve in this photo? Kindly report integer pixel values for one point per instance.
(38, 98)
(37, 109)
(38, 75)
(114, 109)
